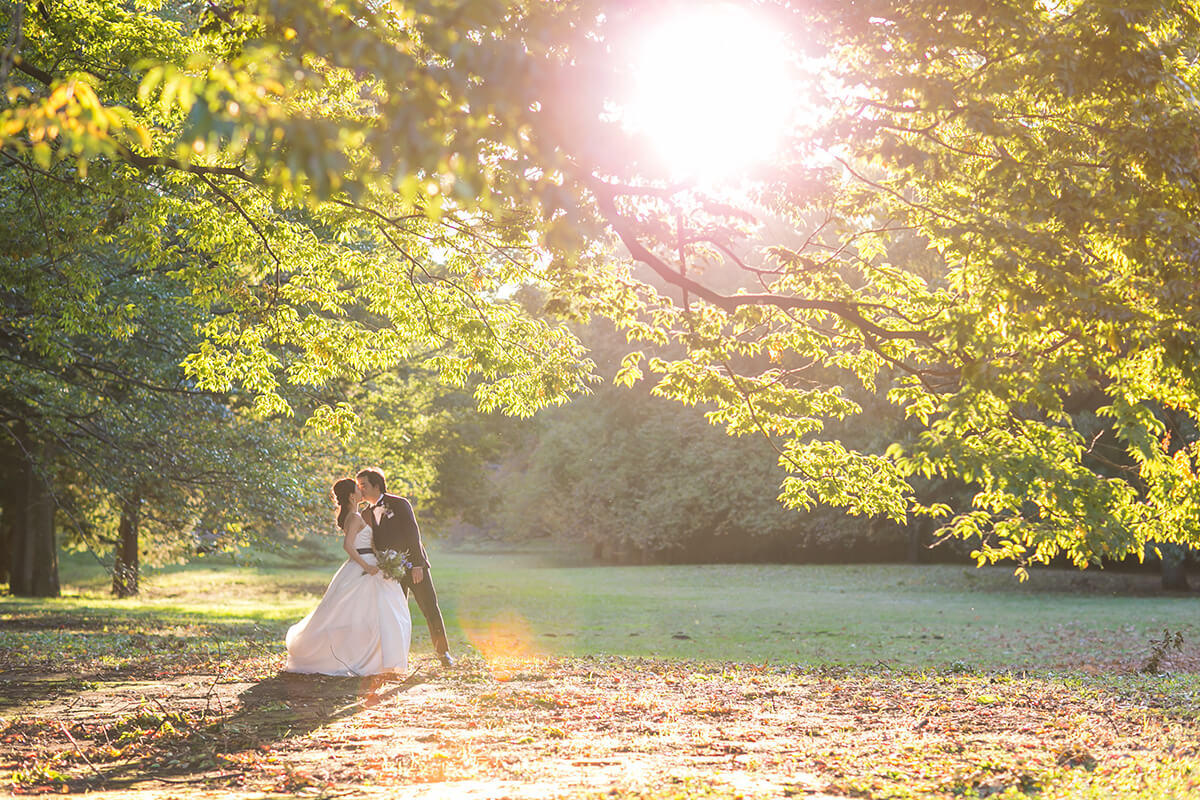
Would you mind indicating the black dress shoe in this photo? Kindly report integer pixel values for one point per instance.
(446, 660)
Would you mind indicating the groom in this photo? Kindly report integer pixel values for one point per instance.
(395, 528)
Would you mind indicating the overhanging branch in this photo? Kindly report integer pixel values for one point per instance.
(849, 311)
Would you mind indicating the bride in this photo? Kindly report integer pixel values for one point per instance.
(362, 625)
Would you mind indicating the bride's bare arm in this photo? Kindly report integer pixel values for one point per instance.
(352, 551)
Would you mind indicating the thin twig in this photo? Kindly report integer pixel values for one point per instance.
(79, 750)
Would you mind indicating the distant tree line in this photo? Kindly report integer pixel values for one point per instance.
(630, 478)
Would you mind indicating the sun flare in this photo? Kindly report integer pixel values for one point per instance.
(712, 90)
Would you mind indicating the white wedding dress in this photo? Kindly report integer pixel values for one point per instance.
(360, 627)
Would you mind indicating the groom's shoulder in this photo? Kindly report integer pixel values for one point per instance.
(395, 499)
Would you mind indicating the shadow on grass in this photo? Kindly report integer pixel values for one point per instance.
(178, 747)
(46, 657)
(128, 699)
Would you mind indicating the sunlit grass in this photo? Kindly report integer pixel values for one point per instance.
(514, 603)
(263, 587)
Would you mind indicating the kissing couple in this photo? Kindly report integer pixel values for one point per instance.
(362, 625)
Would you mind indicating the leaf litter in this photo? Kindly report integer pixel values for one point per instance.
(225, 722)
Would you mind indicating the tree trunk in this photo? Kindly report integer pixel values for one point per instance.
(9, 477)
(33, 551)
(126, 566)
(915, 549)
(1174, 568)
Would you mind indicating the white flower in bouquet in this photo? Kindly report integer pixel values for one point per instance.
(394, 566)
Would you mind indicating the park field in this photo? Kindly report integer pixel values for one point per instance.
(886, 681)
(522, 603)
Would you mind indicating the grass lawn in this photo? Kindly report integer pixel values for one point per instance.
(651, 682)
(514, 603)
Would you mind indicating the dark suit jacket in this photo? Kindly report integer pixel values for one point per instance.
(397, 529)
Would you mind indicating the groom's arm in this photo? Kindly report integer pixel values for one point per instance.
(410, 533)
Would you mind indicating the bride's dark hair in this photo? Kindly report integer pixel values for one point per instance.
(341, 494)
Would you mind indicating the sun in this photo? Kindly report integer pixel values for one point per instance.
(711, 89)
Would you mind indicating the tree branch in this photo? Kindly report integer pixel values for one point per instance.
(847, 311)
(150, 162)
(246, 216)
(16, 34)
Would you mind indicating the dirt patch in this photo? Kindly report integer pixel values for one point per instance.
(578, 727)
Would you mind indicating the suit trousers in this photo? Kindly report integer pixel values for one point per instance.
(427, 601)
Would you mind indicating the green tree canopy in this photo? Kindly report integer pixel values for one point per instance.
(102, 425)
(989, 213)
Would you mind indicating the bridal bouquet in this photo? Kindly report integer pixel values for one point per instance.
(393, 565)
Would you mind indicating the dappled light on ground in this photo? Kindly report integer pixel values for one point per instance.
(525, 727)
(565, 728)
(870, 681)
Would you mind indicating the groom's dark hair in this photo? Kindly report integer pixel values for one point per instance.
(375, 478)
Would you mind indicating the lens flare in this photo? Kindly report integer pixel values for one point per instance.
(505, 641)
(712, 88)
